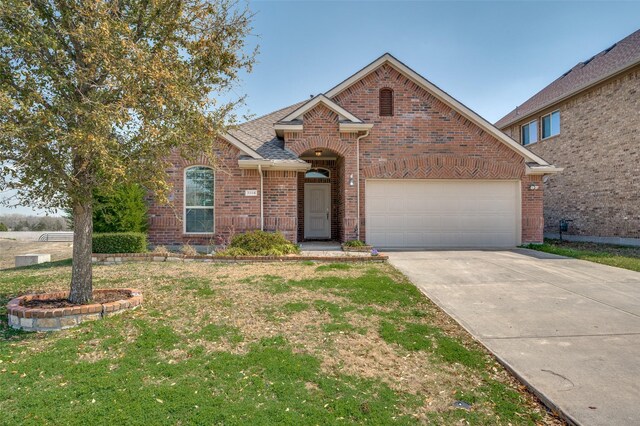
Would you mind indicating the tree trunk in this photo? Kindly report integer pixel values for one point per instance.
(81, 275)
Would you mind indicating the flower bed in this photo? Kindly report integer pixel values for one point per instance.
(51, 311)
(365, 248)
(108, 259)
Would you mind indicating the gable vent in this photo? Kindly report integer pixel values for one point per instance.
(386, 102)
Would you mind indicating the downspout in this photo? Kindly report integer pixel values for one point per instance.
(261, 198)
(358, 184)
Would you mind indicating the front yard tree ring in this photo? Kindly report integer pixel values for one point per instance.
(52, 311)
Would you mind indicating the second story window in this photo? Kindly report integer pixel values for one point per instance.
(386, 102)
(551, 125)
(530, 133)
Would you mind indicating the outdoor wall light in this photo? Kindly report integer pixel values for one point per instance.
(533, 186)
(318, 152)
(350, 180)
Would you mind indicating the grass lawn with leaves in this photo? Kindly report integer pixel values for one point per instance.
(607, 254)
(253, 343)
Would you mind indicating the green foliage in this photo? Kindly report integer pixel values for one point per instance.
(260, 243)
(120, 210)
(120, 242)
(355, 243)
(3, 227)
(97, 94)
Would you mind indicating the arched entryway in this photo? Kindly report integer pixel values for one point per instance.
(320, 193)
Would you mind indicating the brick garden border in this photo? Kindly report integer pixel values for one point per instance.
(109, 259)
(42, 319)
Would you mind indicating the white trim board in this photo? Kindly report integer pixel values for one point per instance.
(343, 113)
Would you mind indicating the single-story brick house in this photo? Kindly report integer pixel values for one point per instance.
(588, 122)
(385, 156)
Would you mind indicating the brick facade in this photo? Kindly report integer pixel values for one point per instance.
(599, 147)
(424, 139)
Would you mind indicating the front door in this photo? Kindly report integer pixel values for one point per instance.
(317, 210)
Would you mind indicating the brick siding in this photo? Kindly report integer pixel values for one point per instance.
(599, 147)
(424, 139)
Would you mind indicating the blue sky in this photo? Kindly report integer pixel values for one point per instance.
(491, 56)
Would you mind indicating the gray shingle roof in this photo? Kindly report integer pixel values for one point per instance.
(621, 55)
(258, 134)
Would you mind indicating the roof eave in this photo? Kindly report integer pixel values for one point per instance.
(543, 170)
(298, 166)
(562, 98)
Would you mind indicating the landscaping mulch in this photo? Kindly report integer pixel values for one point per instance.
(101, 297)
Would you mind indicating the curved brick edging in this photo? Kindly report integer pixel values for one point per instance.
(109, 259)
(41, 319)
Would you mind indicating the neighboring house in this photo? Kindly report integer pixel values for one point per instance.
(588, 121)
(385, 156)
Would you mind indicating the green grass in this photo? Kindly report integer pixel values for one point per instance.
(612, 255)
(334, 267)
(212, 345)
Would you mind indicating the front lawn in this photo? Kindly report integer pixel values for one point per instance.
(607, 254)
(253, 344)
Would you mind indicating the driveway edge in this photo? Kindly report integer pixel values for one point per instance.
(555, 409)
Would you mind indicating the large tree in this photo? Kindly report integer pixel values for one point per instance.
(99, 92)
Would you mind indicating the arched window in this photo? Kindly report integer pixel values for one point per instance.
(386, 102)
(317, 173)
(199, 190)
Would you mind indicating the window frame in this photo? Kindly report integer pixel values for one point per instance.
(318, 168)
(550, 115)
(184, 201)
(391, 92)
(522, 132)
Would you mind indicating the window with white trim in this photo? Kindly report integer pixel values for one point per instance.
(551, 124)
(530, 132)
(198, 200)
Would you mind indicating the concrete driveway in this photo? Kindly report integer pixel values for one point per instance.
(569, 328)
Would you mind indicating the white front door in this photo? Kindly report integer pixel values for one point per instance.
(317, 206)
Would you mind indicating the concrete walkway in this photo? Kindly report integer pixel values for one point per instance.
(569, 328)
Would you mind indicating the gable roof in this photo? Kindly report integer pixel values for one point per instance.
(442, 96)
(606, 64)
(309, 105)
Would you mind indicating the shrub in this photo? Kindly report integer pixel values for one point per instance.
(120, 210)
(188, 250)
(120, 242)
(260, 243)
(355, 243)
(162, 250)
(3, 227)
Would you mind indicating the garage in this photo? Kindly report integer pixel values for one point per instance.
(430, 213)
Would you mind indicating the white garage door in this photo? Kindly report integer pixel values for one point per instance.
(442, 213)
